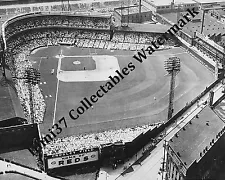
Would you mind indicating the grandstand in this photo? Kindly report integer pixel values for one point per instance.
(37, 39)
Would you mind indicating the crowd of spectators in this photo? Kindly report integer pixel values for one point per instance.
(57, 21)
(26, 35)
(81, 38)
(85, 38)
(21, 64)
(88, 141)
(138, 38)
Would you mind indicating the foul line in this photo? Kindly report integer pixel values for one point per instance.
(57, 88)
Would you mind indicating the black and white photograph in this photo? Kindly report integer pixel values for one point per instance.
(112, 89)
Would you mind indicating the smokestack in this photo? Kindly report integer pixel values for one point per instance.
(139, 11)
(172, 4)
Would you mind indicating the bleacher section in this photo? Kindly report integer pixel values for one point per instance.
(25, 33)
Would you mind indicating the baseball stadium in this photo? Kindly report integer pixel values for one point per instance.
(74, 56)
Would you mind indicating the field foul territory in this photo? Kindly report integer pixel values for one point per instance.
(88, 103)
(54, 131)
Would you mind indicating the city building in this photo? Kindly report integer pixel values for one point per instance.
(197, 149)
(166, 6)
(130, 14)
(209, 3)
(218, 14)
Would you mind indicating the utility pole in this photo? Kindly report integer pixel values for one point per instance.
(203, 19)
(164, 165)
(172, 66)
(66, 7)
(179, 9)
(121, 7)
(2, 59)
(139, 11)
(128, 19)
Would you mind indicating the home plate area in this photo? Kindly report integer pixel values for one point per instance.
(77, 63)
(87, 68)
(139, 98)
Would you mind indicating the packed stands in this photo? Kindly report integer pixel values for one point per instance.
(57, 21)
(89, 141)
(34, 31)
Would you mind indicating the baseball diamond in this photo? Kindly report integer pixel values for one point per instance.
(138, 99)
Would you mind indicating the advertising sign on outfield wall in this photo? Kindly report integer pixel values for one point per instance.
(72, 159)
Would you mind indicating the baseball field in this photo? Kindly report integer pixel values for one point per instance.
(140, 98)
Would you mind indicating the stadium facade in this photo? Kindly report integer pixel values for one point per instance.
(40, 31)
(119, 151)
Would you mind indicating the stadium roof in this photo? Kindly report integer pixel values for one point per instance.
(153, 28)
(194, 137)
(168, 2)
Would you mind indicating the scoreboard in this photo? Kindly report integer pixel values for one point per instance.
(72, 159)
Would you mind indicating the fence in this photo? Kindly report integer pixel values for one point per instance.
(174, 118)
(181, 33)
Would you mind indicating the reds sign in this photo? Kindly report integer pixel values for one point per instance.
(72, 159)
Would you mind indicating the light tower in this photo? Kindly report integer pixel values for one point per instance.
(172, 66)
(66, 6)
(32, 78)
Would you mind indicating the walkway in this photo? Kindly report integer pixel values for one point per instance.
(9, 167)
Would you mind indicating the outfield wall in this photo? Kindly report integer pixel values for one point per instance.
(130, 148)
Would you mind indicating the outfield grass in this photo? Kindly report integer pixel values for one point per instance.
(129, 103)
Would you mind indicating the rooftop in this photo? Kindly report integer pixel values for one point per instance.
(132, 10)
(219, 11)
(153, 28)
(220, 109)
(211, 26)
(209, 1)
(168, 2)
(193, 138)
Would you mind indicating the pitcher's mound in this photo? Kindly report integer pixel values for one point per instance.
(76, 62)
